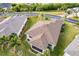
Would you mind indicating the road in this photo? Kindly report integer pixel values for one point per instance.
(18, 13)
(13, 25)
(71, 20)
(58, 17)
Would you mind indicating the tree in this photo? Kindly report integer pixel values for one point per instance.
(2, 10)
(77, 23)
(69, 11)
(9, 42)
(4, 45)
(13, 5)
(14, 42)
(43, 7)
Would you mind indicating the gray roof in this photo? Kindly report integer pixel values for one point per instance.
(73, 47)
(13, 25)
(5, 5)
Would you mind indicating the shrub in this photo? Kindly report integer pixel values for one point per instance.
(77, 23)
(46, 18)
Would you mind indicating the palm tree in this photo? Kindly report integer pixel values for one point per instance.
(3, 45)
(3, 41)
(9, 42)
(14, 42)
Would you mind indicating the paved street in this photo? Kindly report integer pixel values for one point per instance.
(58, 17)
(13, 25)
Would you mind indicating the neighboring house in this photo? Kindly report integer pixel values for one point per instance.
(73, 11)
(5, 5)
(73, 48)
(44, 34)
(14, 24)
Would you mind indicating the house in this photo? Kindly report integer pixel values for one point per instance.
(73, 48)
(13, 24)
(44, 34)
(73, 12)
(5, 5)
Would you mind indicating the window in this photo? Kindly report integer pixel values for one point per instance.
(36, 48)
(30, 36)
(49, 46)
(28, 39)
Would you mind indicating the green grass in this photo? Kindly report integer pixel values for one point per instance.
(52, 12)
(65, 38)
(75, 18)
